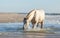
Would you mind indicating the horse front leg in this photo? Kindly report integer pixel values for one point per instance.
(27, 25)
(35, 25)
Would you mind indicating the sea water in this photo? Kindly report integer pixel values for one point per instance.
(51, 23)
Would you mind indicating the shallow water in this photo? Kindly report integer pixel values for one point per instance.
(52, 24)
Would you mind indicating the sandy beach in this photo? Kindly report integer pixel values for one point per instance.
(13, 17)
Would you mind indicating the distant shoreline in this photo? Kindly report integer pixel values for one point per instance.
(45, 13)
(27, 13)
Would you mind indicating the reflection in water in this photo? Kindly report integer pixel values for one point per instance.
(30, 35)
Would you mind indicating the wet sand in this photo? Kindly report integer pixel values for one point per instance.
(27, 35)
(11, 17)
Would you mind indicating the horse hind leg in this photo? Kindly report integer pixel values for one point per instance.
(41, 24)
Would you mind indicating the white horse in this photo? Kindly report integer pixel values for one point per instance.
(35, 17)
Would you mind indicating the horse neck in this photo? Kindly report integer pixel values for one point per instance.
(31, 13)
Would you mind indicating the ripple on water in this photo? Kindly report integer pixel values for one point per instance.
(17, 27)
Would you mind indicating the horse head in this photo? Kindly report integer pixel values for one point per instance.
(24, 21)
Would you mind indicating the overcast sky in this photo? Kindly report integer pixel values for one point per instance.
(50, 6)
